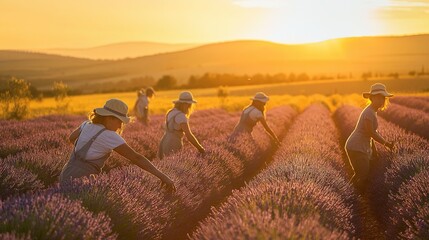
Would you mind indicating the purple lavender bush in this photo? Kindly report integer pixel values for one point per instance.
(409, 213)
(411, 119)
(415, 102)
(15, 180)
(51, 216)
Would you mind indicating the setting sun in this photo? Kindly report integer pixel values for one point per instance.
(303, 21)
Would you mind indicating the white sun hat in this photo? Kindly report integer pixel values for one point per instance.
(185, 97)
(377, 88)
(260, 96)
(114, 107)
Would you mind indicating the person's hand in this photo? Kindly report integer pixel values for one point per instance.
(202, 150)
(168, 183)
(146, 121)
(390, 145)
(276, 142)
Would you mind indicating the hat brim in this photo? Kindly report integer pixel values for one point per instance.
(185, 101)
(105, 112)
(384, 93)
(260, 100)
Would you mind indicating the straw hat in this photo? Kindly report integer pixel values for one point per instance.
(114, 107)
(377, 88)
(185, 97)
(260, 96)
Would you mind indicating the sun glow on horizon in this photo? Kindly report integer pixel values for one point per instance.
(306, 21)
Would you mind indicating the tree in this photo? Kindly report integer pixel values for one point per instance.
(366, 75)
(16, 98)
(292, 77)
(166, 82)
(60, 91)
(303, 77)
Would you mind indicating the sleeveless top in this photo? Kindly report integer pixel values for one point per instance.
(173, 127)
(246, 123)
(360, 139)
(172, 140)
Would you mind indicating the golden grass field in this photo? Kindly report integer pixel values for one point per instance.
(84, 104)
(331, 93)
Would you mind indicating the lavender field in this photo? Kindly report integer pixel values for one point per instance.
(249, 189)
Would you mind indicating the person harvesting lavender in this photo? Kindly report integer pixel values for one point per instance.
(177, 126)
(360, 147)
(251, 115)
(95, 139)
(141, 107)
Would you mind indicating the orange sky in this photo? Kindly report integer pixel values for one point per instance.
(77, 23)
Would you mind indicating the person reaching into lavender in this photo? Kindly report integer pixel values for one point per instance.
(360, 147)
(95, 139)
(251, 115)
(177, 126)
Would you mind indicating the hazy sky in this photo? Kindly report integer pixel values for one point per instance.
(30, 24)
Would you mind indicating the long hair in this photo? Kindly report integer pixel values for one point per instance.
(150, 92)
(96, 118)
(258, 105)
(382, 108)
(186, 108)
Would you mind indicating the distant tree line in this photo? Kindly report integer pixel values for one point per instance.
(132, 84)
(207, 80)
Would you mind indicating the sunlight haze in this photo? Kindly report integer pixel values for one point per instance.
(79, 24)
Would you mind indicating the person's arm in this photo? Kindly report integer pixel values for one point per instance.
(369, 126)
(140, 108)
(146, 115)
(269, 130)
(190, 136)
(126, 151)
(374, 149)
(74, 135)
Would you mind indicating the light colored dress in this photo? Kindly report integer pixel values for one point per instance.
(249, 118)
(359, 147)
(360, 139)
(142, 106)
(172, 141)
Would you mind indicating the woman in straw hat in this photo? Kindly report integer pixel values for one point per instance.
(95, 139)
(177, 126)
(253, 114)
(360, 144)
(141, 107)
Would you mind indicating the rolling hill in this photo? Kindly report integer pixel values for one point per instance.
(119, 50)
(346, 55)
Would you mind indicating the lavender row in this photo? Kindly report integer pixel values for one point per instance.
(420, 103)
(400, 202)
(303, 194)
(42, 155)
(139, 208)
(15, 180)
(51, 216)
(411, 119)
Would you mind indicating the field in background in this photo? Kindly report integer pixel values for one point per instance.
(331, 93)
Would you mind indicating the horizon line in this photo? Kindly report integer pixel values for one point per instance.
(209, 43)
